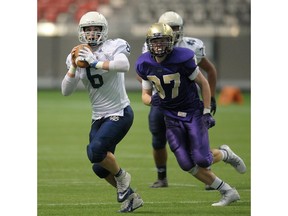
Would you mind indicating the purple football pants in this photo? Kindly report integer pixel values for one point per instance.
(189, 141)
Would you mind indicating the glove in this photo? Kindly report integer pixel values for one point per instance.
(155, 100)
(88, 56)
(213, 105)
(208, 120)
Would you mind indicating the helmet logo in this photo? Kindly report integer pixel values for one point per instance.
(158, 34)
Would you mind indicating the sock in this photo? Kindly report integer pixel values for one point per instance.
(224, 155)
(220, 185)
(119, 173)
(161, 170)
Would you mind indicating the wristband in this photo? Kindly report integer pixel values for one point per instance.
(206, 110)
(72, 69)
(97, 65)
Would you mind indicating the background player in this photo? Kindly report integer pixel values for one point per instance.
(156, 118)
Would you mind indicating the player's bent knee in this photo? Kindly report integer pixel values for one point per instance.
(93, 156)
(100, 171)
(194, 170)
(159, 146)
(158, 141)
(204, 163)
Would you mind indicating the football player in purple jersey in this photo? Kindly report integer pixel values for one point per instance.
(156, 118)
(174, 73)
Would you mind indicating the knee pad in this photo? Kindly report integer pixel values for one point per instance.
(94, 156)
(100, 171)
(158, 141)
(205, 162)
(194, 170)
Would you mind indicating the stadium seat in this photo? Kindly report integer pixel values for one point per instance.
(51, 14)
(195, 12)
(84, 7)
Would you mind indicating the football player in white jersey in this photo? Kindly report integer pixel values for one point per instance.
(112, 115)
(156, 118)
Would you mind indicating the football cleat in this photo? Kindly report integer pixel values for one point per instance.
(133, 202)
(233, 159)
(123, 186)
(160, 183)
(228, 197)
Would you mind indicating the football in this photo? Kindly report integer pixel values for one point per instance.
(80, 63)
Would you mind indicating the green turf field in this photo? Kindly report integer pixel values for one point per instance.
(67, 185)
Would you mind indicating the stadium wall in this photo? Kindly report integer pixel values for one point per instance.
(231, 56)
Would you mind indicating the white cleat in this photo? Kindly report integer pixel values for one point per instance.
(233, 159)
(228, 197)
(133, 202)
(123, 186)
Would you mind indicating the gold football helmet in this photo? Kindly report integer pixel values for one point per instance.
(160, 39)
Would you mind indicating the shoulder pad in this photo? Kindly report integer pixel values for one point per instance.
(181, 54)
(117, 46)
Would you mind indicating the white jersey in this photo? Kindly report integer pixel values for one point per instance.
(106, 90)
(194, 44)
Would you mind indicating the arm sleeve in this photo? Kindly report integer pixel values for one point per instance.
(146, 84)
(192, 68)
(120, 63)
(69, 85)
(68, 61)
(194, 74)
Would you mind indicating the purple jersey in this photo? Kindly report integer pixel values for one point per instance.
(172, 79)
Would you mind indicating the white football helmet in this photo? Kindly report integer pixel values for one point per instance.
(93, 38)
(174, 20)
(160, 39)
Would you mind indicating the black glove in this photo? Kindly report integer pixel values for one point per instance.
(213, 105)
(208, 120)
(155, 100)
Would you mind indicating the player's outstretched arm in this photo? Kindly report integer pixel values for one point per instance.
(211, 71)
(146, 96)
(205, 89)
